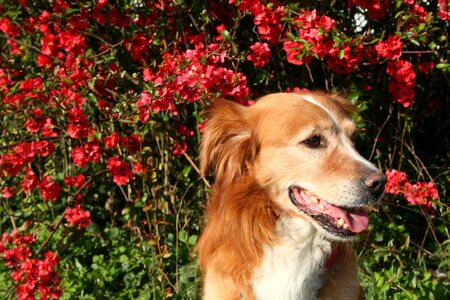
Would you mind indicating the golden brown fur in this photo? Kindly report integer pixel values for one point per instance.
(228, 252)
(254, 154)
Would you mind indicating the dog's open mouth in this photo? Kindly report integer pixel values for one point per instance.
(340, 221)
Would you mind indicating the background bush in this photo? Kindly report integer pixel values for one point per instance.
(100, 113)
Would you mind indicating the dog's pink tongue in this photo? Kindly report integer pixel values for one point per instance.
(357, 220)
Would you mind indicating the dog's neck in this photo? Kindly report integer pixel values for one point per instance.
(293, 268)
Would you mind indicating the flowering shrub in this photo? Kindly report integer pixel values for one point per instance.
(101, 112)
(30, 275)
(421, 193)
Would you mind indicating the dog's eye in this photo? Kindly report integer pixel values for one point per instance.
(314, 142)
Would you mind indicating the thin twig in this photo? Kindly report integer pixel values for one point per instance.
(31, 47)
(378, 136)
(32, 140)
(196, 169)
(10, 214)
(53, 231)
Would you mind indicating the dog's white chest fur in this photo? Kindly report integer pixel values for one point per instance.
(291, 270)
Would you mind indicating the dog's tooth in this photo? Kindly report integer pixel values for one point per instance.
(314, 199)
(321, 206)
(373, 208)
(345, 226)
(341, 222)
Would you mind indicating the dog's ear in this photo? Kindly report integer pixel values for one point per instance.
(228, 145)
(344, 104)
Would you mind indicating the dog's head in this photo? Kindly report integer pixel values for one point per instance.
(298, 147)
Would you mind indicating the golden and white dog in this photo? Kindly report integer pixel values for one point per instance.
(290, 190)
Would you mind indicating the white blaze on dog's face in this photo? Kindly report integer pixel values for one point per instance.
(307, 160)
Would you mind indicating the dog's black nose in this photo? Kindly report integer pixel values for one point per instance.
(374, 183)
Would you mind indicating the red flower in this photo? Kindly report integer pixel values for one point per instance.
(120, 170)
(179, 148)
(138, 46)
(426, 67)
(185, 131)
(219, 30)
(43, 147)
(44, 61)
(402, 88)
(89, 152)
(261, 54)
(8, 192)
(78, 217)
(112, 140)
(444, 10)
(47, 128)
(296, 89)
(11, 163)
(391, 49)
(402, 71)
(201, 126)
(76, 181)
(14, 256)
(148, 75)
(31, 275)
(78, 123)
(268, 22)
(345, 59)
(395, 181)
(144, 105)
(138, 168)
(420, 12)
(49, 189)
(32, 125)
(420, 193)
(79, 157)
(72, 42)
(25, 152)
(49, 45)
(312, 28)
(245, 5)
(375, 8)
(93, 151)
(133, 143)
(8, 28)
(295, 52)
(401, 93)
(32, 83)
(30, 181)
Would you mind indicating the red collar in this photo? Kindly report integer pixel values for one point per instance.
(330, 260)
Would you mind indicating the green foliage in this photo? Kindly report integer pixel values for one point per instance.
(393, 269)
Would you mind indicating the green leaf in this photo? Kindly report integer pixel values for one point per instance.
(341, 54)
(353, 96)
(292, 36)
(442, 66)
(183, 236)
(432, 45)
(414, 41)
(225, 34)
(192, 240)
(68, 80)
(422, 26)
(234, 48)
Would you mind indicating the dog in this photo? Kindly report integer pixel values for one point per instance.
(290, 193)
